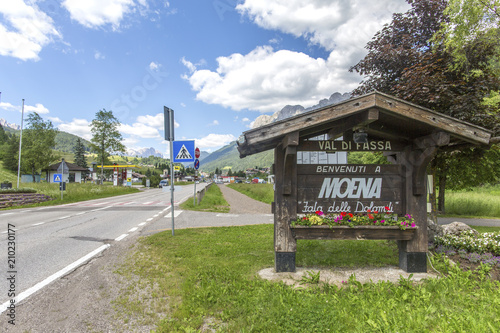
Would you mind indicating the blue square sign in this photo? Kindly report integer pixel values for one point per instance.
(183, 151)
(57, 178)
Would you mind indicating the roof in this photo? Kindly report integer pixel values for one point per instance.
(380, 115)
(71, 167)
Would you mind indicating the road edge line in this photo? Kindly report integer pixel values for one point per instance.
(28, 292)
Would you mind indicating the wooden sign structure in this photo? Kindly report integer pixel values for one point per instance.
(408, 135)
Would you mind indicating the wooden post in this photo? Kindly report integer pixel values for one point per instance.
(285, 203)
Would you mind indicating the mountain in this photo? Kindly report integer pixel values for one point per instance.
(228, 156)
(6, 125)
(65, 142)
(144, 152)
(292, 110)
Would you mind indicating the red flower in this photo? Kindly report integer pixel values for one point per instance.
(304, 218)
(319, 213)
(343, 214)
(350, 215)
(376, 212)
(371, 216)
(387, 208)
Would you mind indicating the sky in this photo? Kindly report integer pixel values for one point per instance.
(219, 64)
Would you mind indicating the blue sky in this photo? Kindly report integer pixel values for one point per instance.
(219, 64)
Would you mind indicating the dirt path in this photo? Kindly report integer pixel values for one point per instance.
(242, 204)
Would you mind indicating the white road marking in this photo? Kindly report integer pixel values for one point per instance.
(119, 238)
(7, 214)
(64, 217)
(141, 224)
(227, 215)
(133, 229)
(147, 203)
(28, 292)
(176, 213)
(81, 213)
(39, 223)
(150, 219)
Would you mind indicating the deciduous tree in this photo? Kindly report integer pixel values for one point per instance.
(408, 59)
(106, 139)
(38, 144)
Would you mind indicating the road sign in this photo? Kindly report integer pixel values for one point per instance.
(177, 168)
(63, 168)
(57, 178)
(183, 151)
(197, 152)
(196, 164)
(168, 123)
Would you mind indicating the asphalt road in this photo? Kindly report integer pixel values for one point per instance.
(50, 240)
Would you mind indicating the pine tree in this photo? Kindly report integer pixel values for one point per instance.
(3, 136)
(80, 158)
(10, 158)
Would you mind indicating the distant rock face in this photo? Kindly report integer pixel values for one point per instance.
(4, 124)
(144, 152)
(293, 110)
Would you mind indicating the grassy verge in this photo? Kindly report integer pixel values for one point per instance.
(481, 201)
(213, 201)
(76, 192)
(206, 279)
(260, 192)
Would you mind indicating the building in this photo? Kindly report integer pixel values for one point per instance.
(74, 175)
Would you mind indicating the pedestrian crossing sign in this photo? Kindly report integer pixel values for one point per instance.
(57, 178)
(183, 151)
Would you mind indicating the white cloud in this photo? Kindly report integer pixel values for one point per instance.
(28, 32)
(9, 107)
(214, 123)
(140, 130)
(154, 121)
(56, 120)
(266, 79)
(38, 108)
(245, 120)
(99, 56)
(80, 127)
(97, 13)
(213, 141)
(154, 66)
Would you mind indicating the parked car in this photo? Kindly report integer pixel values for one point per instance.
(163, 182)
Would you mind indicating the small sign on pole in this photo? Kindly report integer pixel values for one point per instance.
(168, 115)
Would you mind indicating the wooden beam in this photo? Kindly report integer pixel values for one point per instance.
(269, 136)
(458, 128)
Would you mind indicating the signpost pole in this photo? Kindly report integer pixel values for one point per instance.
(194, 194)
(168, 115)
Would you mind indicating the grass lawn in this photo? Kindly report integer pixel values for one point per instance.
(213, 201)
(260, 192)
(483, 201)
(207, 278)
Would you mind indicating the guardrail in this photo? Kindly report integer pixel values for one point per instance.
(201, 193)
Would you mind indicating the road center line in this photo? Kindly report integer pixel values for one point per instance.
(141, 224)
(133, 229)
(64, 217)
(150, 219)
(28, 292)
(39, 223)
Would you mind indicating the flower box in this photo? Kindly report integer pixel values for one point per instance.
(353, 233)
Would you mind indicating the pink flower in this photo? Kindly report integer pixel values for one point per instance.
(382, 221)
(413, 225)
(319, 213)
